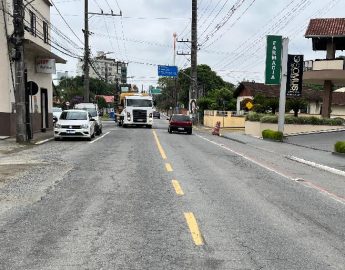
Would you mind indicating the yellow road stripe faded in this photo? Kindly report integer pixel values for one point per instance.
(194, 229)
(168, 167)
(160, 148)
(177, 187)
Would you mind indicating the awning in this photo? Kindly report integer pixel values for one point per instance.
(40, 51)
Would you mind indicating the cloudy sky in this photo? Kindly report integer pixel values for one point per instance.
(231, 34)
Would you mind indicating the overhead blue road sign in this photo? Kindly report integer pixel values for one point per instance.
(167, 71)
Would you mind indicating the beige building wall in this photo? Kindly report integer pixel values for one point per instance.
(6, 83)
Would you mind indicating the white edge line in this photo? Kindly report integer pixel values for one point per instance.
(325, 192)
(316, 165)
(249, 159)
(100, 137)
(44, 141)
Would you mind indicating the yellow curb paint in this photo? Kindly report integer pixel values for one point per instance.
(177, 187)
(194, 229)
(168, 167)
(160, 148)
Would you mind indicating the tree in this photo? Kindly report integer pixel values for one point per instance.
(208, 80)
(101, 102)
(296, 104)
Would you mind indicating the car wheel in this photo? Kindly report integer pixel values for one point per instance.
(190, 132)
(89, 138)
(100, 131)
(169, 130)
(57, 139)
(149, 126)
(124, 125)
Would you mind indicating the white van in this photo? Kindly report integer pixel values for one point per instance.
(93, 110)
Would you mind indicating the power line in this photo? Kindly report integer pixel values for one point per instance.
(69, 27)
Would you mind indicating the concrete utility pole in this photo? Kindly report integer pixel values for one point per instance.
(86, 54)
(282, 99)
(194, 52)
(87, 49)
(18, 39)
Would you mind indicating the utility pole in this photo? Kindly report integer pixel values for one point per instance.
(194, 52)
(86, 53)
(18, 39)
(87, 49)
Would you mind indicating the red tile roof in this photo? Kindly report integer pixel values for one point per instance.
(253, 89)
(333, 27)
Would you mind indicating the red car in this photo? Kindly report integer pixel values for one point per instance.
(180, 123)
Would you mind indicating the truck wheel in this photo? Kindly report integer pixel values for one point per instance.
(124, 125)
(149, 126)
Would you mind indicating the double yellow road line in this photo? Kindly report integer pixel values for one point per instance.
(189, 216)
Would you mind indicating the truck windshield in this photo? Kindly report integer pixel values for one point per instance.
(139, 103)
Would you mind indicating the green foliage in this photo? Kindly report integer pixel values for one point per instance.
(269, 119)
(101, 102)
(254, 117)
(273, 135)
(339, 147)
(263, 104)
(296, 104)
(304, 120)
(167, 97)
(208, 80)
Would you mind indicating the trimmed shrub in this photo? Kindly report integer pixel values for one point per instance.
(254, 117)
(273, 135)
(340, 147)
(269, 119)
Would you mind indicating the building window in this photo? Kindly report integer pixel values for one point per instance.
(45, 32)
(32, 23)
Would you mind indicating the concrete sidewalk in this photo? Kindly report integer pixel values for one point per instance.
(9, 145)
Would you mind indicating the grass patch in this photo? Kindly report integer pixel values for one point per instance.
(272, 135)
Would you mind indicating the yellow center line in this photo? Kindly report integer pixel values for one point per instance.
(160, 148)
(194, 229)
(168, 167)
(177, 187)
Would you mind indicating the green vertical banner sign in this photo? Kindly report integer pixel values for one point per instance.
(273, 60)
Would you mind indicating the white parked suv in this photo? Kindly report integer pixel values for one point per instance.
(75, 124)
(93, 110)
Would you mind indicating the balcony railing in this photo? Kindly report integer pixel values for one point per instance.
(335, 64)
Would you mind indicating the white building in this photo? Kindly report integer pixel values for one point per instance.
(39, 64)
(106, 68)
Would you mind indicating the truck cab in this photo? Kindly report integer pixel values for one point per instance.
(137, 111)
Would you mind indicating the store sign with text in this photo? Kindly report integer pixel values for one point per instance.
(294, 76)
(47, 66)
(273, 60)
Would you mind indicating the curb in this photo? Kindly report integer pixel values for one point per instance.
(315, 132)
(43, 141)
(339, 154)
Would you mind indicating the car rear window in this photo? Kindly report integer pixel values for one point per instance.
(183, 118)
(73, 115)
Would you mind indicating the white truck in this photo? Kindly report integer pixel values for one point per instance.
(137, 111)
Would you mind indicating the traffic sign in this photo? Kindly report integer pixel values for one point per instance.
(167, 71)
(156, 91)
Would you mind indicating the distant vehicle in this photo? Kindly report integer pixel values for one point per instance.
(75, 124)
(156, 115)
(56, 114)
(180, 123)
(137, 110)
(93, 110)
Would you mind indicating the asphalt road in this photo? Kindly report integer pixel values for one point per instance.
(145, 199)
